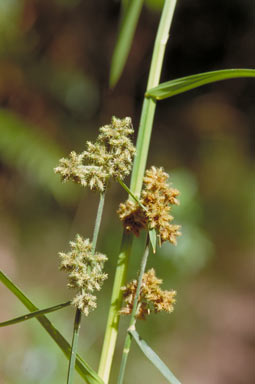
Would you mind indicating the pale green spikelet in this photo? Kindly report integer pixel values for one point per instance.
(111, 156)
(85, 272)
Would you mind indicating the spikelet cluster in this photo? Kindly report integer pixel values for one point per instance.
(111, 156)
(85, 272)
(157, 197)
(152, 298)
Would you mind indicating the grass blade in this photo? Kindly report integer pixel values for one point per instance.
(31, 315)
(131, 13)
(153, 357)
(183, 84)
(86, 372)
(124, 186)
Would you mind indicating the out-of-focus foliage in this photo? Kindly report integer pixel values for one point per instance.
(33, 154)
(194, 246)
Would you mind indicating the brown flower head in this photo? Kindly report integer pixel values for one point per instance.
(151, 299)
(157, 197)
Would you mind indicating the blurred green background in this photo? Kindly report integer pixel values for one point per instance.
(54, 69)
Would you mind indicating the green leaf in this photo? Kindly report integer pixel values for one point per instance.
(153, 357)
(183, 84)
(31, 315)
(86, 372)
(129, 19)
(124, 186)
(153, 239)
(34, 154)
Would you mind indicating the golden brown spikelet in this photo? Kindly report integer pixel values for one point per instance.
(151, 299)
(157, 197)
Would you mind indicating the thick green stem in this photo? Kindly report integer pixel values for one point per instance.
(128, 339)
(143, 142)
(113, 317)
(149, 105)
(77, 320)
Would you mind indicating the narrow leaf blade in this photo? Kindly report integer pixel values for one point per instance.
(127, 29)
(33, 314)
(153, 357)
(86, 372)
(153, 239)
(183, 84)
(124, 186)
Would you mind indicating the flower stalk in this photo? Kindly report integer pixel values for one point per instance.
(77, 320)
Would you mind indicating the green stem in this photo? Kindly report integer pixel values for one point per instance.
(128, 339)
(142, 148)
(76, 330)
(31, 315)
(111, 332)
(77, 320)
(149, 105)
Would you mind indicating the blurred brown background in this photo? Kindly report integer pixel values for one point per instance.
(54, 68)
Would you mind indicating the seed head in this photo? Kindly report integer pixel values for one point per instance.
(85, 272)
(157, 197)
(111, 156)
(151, 298)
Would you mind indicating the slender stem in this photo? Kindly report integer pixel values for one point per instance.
(34, 314)
(128, 339)
(77, 320)
(76, 330)
(142, 149)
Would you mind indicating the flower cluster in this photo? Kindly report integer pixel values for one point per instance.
(110, 156)
(151, 298)
(156, 197)
(85, 271)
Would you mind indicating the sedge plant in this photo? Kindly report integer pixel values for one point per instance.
(148, 208)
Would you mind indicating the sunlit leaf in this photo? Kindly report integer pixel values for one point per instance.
(183, 84)
(86, 372)
(124, 186)
(31, 315)
(153, 357)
